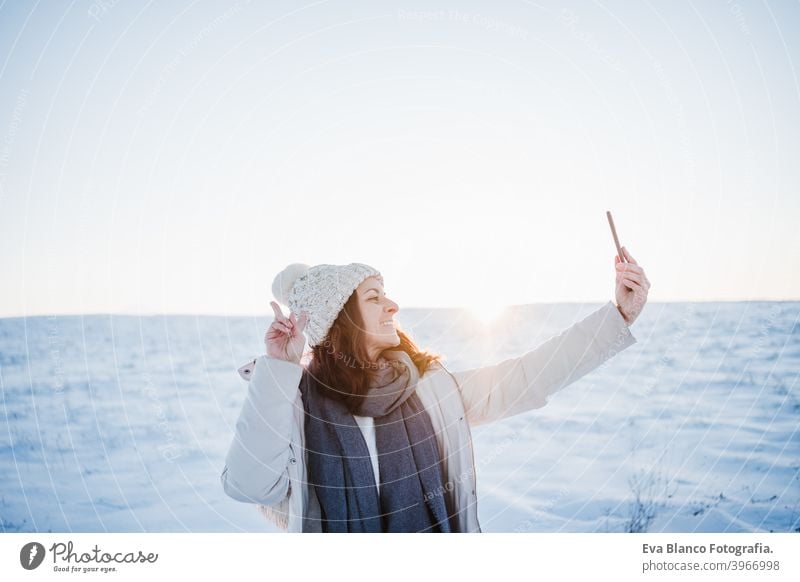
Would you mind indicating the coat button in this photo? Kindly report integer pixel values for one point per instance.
(293, 460)
(473, 492)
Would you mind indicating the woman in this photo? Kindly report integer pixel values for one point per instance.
(373, 434)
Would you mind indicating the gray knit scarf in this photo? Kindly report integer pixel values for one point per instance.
(339, 467)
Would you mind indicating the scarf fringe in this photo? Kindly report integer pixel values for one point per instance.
(277, 514)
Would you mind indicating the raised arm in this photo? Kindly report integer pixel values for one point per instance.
(520, 384)
(256, 464)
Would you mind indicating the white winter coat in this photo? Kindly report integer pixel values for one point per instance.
(266, 464)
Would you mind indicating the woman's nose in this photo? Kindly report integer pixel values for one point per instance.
(393, 307)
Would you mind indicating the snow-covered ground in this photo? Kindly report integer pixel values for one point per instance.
(121, 423)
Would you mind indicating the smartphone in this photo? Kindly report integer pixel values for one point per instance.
(614, 234)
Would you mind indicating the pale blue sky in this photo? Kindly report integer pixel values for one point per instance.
(172, 158)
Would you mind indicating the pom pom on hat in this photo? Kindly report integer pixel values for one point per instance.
(285, 280)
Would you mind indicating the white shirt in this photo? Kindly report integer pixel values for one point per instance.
(367, 426)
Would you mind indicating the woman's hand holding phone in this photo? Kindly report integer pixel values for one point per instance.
(632, 287)
(632, 284)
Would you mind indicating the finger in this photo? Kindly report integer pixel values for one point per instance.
(639, 278)
(635, 276)
(278, 312)
(277, 335)
(302, 322)
(627, 269)
(281, 327)
(292, 319)
(274, 334)
(632, 277)
(630, 268)
(633, 285)
(628, 256)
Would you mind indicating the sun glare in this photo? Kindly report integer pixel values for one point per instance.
(487, 313)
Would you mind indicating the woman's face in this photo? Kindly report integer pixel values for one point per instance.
(377, 312)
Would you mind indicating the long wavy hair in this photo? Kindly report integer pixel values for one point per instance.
(341, 364)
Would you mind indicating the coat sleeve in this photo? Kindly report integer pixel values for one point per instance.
(520, 384)
(255, 468)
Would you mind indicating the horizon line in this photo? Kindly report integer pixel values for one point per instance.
(457, 307)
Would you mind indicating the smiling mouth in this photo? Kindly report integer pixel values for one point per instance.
(387, 324)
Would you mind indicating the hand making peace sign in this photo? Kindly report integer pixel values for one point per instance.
(284, 338)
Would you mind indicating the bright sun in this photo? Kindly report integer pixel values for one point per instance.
(487, 313)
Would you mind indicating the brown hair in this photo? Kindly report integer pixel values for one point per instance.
(340, 363)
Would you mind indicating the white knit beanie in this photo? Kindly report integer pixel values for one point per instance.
(321, 291)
